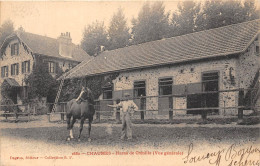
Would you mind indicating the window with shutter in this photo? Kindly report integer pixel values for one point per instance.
(165, 86)
(15, 69)
(15, 49)
(26, 67)
(51, 67)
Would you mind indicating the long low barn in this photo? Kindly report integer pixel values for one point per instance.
(225, 58)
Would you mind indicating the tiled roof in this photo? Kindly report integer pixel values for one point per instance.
(49, 46)
(217, 42)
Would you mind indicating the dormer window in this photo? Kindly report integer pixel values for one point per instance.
(15, 49)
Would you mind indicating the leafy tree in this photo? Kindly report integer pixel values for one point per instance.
(118, 31)
(215, 14)
(41, 83)
(94, 36)
(151, 24)
(6, 29)
(184, 19)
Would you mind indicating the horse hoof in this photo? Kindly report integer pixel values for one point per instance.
(68, 139)
(89, 139)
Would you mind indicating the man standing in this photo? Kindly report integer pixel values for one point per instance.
(127, 106)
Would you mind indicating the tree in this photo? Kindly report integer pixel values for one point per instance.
(221, 13)
(41, 83)
(6, 29)
(151, 24)
(184, 19)
(118, 31)
(94, 36)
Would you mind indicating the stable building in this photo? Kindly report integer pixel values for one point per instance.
(21, 51)
(202, 69)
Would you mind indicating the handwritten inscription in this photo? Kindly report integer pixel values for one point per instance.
(234, 155)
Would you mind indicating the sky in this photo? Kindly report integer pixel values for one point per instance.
(51, 18)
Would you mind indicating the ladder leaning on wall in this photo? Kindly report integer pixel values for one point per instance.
(62, 81)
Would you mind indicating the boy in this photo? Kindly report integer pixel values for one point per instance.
(126, 106)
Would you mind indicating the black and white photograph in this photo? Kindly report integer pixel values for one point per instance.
(130, 83)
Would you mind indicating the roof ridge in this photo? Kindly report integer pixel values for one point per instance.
(18, 31)
(213, 29)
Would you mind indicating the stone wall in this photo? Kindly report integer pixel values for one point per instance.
(181, 74)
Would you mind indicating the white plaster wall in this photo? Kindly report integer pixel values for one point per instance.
(8, 60)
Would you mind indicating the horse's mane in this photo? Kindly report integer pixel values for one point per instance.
(88, 95)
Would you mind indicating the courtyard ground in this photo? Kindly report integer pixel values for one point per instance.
(40, 142)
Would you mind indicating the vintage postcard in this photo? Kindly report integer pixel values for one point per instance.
(172, 83)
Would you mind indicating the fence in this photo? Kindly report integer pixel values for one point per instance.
(229, 102)
(16, 110)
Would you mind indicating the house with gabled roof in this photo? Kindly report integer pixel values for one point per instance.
(23, 50)
(220, 59)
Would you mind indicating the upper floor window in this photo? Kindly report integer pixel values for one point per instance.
(4, 71)
(139, 88)
(25, 66)
(15, 49)
(165, 86)
(51, 67)
(108, 91)
(15, 69)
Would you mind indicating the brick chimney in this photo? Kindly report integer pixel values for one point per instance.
(65, 45)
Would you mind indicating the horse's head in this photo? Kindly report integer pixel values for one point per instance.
(87, 93)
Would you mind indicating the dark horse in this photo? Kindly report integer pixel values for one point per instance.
(81, 108)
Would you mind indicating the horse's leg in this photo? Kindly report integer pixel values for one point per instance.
(68, 121)
(89, 128)
(71, 127)
(81, 127)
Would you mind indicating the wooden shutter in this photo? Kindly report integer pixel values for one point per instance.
(12, 49)
(56, 67)
(6, 71)
(2, 71)
(17, 68)
(28, 66)
(12, 69)
(22, 67)
(17, 53)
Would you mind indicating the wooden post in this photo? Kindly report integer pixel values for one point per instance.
(117, 112)
(142, 105)
(240, 103)
(49, 112)
(98, 113)
(28, 109)
(62, 112)
(170, 108)
(203, 105)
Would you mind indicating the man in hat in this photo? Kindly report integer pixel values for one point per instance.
(127, 106)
